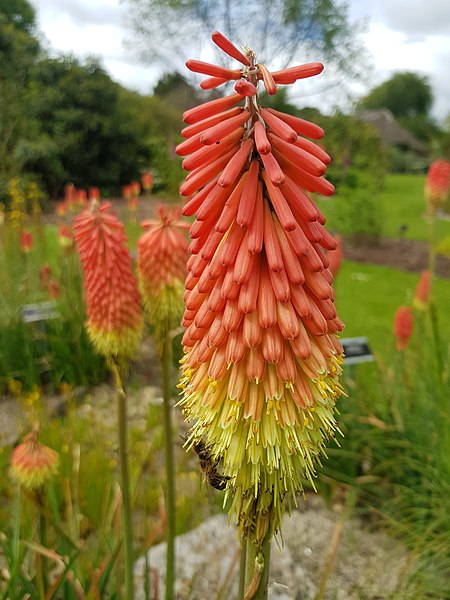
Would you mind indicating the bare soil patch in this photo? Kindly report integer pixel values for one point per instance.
(407, 255)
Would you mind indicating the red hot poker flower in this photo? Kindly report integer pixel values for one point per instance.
(403, 326)
(437, 184)
(262, 359)
(114, 309)
(421, 298)
(26, 241)
(162, 256)
(33, 463)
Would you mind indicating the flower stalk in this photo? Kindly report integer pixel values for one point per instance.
(114, 326)
(162, 255)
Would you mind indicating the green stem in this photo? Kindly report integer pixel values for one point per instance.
(125, 483)
(257, 570)
(433, 316)
(40, 562)
(166, 365)
(242, 568)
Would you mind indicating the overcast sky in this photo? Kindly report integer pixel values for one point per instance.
(401, 35)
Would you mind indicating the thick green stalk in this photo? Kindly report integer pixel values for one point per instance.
(125, 483)
(242, 568)
(433, 315)
(257, 570)
(166, 366)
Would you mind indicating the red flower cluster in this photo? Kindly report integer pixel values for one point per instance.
(403, 326)
(262, 356)
(437, 184)
(113, 302)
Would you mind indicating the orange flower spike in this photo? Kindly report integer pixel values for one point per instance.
(261, 359)
(33, 463)
(162, 255)
(437, 183)
(421, 298)
(403, 326)
(114, 319)
(26, 241)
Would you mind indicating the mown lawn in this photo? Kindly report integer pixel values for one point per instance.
(403, 206)
(367, 297)
(399, 208)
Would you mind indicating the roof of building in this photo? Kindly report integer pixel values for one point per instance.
(390, 131)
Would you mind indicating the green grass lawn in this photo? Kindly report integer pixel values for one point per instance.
(367, 297)
(401, 205)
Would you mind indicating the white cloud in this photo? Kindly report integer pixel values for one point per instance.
(416, 17)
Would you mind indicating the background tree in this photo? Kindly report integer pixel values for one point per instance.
(84, 131)
(279, 30)
(19, 50)
(409, 97)
(405, 94)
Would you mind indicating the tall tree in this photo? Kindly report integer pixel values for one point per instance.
(280, 31)
(405, 94)
(19, 50)
(86, 133)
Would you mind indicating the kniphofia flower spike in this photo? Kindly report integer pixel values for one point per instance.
(33, 463)
(161, 262)
(437, 184)
(262, 359)
(115, 320)
(403, 326)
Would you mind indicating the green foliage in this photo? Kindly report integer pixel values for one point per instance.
(18, 52)
(46, 353)
(357, 171)
(396, 453)
(175, 90)
(405, 94)
(85, 133)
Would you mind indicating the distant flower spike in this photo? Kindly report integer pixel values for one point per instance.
(162, 256)
(33, 463)
(262, 358)
(115, 320)
(437, 184)
(403, 326)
